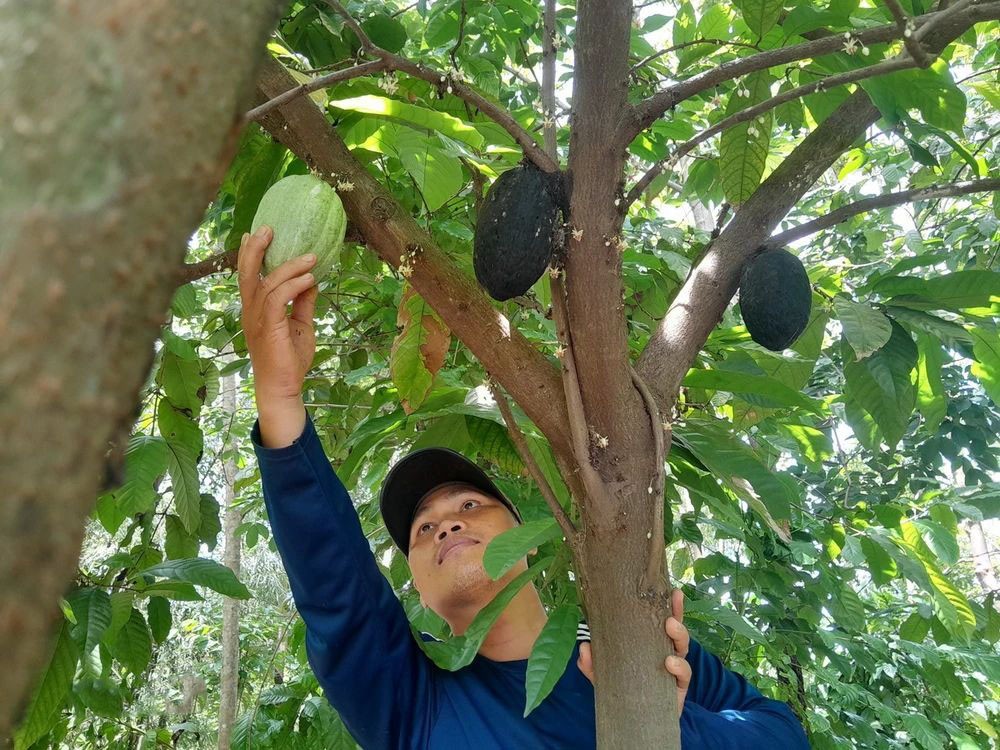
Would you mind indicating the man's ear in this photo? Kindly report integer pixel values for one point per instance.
(534, 551)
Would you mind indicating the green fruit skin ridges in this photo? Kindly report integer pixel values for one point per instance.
(306, 216)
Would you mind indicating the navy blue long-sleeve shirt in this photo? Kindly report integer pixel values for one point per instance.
(391, 695)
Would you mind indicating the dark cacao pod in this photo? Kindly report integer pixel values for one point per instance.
(775, 298)
(516, 230)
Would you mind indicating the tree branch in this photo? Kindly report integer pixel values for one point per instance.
(702, 299)
(645, 113)
(750, 113)
(322, 82)
(448, 82)
(568, 529)
(906, 27)
(391, 232)
(881, 201)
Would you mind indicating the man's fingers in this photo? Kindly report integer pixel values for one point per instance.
(680, 669)
(279, 297)
(304, 306)
(679, 636)
(249, 260)
(677, 604)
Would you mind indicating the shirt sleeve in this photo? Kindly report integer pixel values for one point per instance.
(358, 638)
(722, 711)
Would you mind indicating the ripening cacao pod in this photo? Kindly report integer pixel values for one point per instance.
(516, 231)
(775, 298)
(306, 216)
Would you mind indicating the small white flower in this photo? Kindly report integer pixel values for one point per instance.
(618, 201)
(449, 89)
(649, 534)
(345, 185)
(602, 442)
(561, 351)
(379, 277)
(851, 45)
(548, 122)
(554, 273)
(406, 270)
(577, 234)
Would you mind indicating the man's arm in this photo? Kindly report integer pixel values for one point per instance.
(725, 712)
(357, 635)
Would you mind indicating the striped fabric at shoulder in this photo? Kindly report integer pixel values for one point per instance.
(583, 632)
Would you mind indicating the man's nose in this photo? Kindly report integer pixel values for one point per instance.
(450, 526)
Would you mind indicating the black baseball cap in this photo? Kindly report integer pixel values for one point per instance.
(415, 475)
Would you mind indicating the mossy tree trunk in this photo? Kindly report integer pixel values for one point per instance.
(118, 121)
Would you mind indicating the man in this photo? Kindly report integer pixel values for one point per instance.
(442, 511)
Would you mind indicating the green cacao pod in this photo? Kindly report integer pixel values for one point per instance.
(306, 216)
(775, 298)
(516, 230)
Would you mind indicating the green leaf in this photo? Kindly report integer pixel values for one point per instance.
(921, 730)
(931, 91)
(915, 628)
(954, 291)
(160, 620)
(43, 709)
(880, 565)
(459, 651)
(941, 541)
(865, 328)
(133, 646)
(411, 114)
(437, 175)
(258, 165)
(945, 330)
(761, 385)
(492, 441)
(210, 526)
(743, 148)
(760, 15)
(950, 604)
(145, 463)
(179, 544)
(881, 384)
(92, 608)
(814, 445)
(121, 609)
(931, 399)
(711, 612)
(200, 572)
(731, 461)
(506, 549)
(182, 381)
(986, 348)
(385, 31)
(550, 655)
(848, 610)
(185, 484)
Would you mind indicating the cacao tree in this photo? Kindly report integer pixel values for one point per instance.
(640, 415)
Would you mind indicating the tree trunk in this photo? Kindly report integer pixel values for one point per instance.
(982, 558)
(118, 121)
(229, 677)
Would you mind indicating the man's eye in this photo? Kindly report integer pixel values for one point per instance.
(469, 501)
(421, 529)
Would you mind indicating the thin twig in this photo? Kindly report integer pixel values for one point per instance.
(322, 82)
(906, 27)
(718, 42)
(655, 582)
(648, 111)
(568, 529)
(592, 481)
(840, 79)
(461, 35)
(881, 201)
(549, 80)
(447, 82)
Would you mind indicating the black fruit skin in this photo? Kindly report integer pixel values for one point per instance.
(516, 230)
(775, 298)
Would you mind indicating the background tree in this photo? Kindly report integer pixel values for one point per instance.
(815, 501)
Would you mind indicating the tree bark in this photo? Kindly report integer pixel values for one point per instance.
(118, 122)
(229, 676)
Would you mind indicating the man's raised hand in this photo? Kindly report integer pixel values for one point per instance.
(281, 347)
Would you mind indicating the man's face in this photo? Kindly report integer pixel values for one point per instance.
(448, 536)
